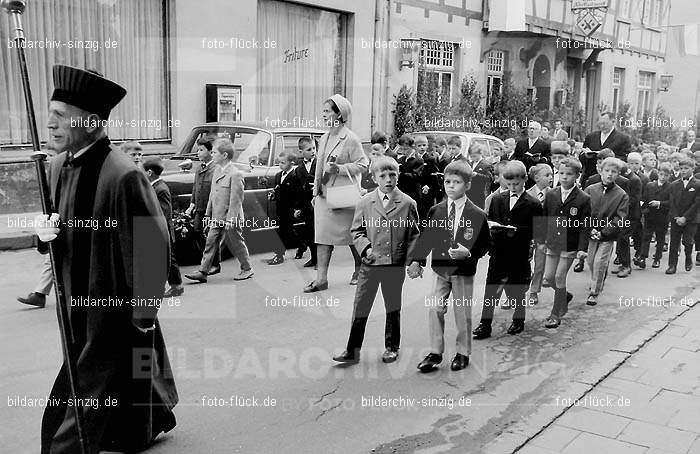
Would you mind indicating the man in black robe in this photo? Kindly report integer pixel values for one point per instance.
(111, 245)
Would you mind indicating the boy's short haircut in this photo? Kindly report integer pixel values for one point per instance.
(418, 136)
(573, 164)
(696, 154)
(634, 155)
(406, 140)
(454, 141)
(461, 169)
(439, 142)
(614, 162)
(304, 142)
(154, 164)
(537, 169)
(289, 155)
(378, 137)
(514, 169)
(384, 163)
(648, 154)
(666, 168)
(686, 161)
(225, 146)
(604, 154)
(131, 145)
(560, 147)
(206, 142)
(499, 166)
(675, 156)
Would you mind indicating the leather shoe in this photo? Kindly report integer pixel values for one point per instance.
(214, 270)
(33, 299)
(197, 276)
(430, 363)
(671, 270)
(482, 331)
(578, 267)
(569, 297)
(347, 357)
(175, 290)
(624, 271)
(300, 253)
(616, 261)
(688, 263)
(389, 356)
(552, 322)
(640, 263)
(310, 263)
(459, 362)
(516, 327)
(656, 263)
(615, 269)
(592, 300)
(276, 260)
(314, 287)
(353, 279)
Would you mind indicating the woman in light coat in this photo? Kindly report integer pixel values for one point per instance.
(339, 152)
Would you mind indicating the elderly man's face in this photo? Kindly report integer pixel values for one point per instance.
(68, 129)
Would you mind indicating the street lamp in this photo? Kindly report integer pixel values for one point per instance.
(665, 81)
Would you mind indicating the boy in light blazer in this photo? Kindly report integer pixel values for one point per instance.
(567, 210)
(384, 229)
(456, 232)
(224, 214)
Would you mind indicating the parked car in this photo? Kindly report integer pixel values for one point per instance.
(259, 148)
(468, 138)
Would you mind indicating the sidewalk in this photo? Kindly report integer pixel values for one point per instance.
(650, 404)
(17, 231)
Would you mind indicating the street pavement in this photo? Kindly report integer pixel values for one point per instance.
(255, 375)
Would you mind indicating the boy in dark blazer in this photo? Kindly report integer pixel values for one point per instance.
(655, 207)
(385, 230)
(305, 172)
(511, 216)
(456, 233)
(289, 194)
(684, 213)
(154, 168)
(541, 174)
(567, 210)
(609, 211)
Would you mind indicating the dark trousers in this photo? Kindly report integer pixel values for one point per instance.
(286, 235)
(514, 287)
(174, 277)
(637, 235)
(686, 235)
(623, 249)
(202, 237)
(656, 228)
(391, 278)
(308, 233)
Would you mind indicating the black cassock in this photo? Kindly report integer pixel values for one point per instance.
(112, 257)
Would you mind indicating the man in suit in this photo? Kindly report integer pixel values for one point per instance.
(224, 215)
(534, 149)
(606, 137)
(509, 267)
(118, 349)
(559, 133)
(305, 172)
(684, 213)
(154, 168)
(203, 173)
(690, 141)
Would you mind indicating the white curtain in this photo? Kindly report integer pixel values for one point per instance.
(306, 67)
(68, 30)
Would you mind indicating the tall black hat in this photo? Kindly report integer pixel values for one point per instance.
(86, 90)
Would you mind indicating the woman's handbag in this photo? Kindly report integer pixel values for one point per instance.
(344, 196)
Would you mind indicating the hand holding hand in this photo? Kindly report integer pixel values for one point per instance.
(45, 227)
(459, 253)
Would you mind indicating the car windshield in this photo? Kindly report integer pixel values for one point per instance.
(252, 146)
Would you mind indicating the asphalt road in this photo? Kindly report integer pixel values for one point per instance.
(254, 373)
